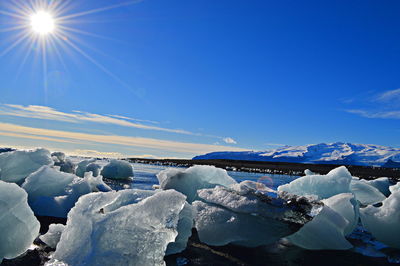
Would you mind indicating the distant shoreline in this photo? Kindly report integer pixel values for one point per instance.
(366, 172)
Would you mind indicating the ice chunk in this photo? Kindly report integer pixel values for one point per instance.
(117, 169)
(188, 181)
(58, 157)
(53, 235)
(48, 182)
(243, 216)
(382, 184)
(94, 168)
(309, 172)
(325, 231)
(18, 226)
(68, 167)
(17, 165)
(128, 227)
(394, 188)
(383, 222)
(365, 193)
(185, 225)
(54, 193)
(81, 169)
(346, 205)
(322, 186)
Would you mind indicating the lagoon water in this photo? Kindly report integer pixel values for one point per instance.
(145, 177)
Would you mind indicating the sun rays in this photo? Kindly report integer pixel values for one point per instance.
(49, 30)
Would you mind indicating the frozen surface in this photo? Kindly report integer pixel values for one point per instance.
(58, 157)
(366, 193)
(17, 165)
(321, 186)
(117, 169)
(249, 214)
(67, 166)
(384, 222)
(188, 181)
(129, 227)
(53, 235)
(18, 226)
(94, 168)
(54, 193)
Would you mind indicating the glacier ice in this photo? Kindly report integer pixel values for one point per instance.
(384, 222)
(117, 169)
(382, 184)
(67, 166)
(347, 206)
(321, 186)
(58, 158)
(94, 168)
(188, 181)
(18, 226)
(365, 193)
(394, 188)
(54, 193)
(53, 235)
(128, 227)
(325, 231)
(17, 165)
(81, 168)
(245, 216)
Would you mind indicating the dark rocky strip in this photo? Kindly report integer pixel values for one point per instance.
(366, 172)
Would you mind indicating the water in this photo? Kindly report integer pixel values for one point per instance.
(145, 178)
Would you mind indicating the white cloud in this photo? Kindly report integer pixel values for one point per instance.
(389, 96)
(229, 140)
(73, 137)
(371, 114)
(48, 113)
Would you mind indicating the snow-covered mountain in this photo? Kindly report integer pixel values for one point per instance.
(323, 153)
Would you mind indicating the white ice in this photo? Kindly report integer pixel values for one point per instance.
(188, 181)
(384, 222)
(365, 193)
(53, 235)
(320, 186)
(394, 188)
(242, 215)
(326, 231)
(54, 193)
(128, 227)
(81, 168)
(117, 169)
(18, 226)
(17, 165)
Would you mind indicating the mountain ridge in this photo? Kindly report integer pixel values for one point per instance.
(322, 153)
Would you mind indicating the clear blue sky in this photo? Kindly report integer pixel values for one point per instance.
(215, 74)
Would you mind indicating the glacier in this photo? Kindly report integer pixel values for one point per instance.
(18, 225)
(53, 235)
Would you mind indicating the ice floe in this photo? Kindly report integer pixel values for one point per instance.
(117, 169)
(18, 226)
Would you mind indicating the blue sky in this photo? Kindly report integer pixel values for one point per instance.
(179, 78)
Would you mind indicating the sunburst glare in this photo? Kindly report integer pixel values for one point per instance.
(42, 22)
(44, 27)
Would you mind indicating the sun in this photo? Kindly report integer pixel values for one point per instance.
(42, 23)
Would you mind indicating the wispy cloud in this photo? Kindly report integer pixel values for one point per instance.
(48, 113)
(149, 143)
(229, 140)
(385, 106)
(372, 114)
(392, 95)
